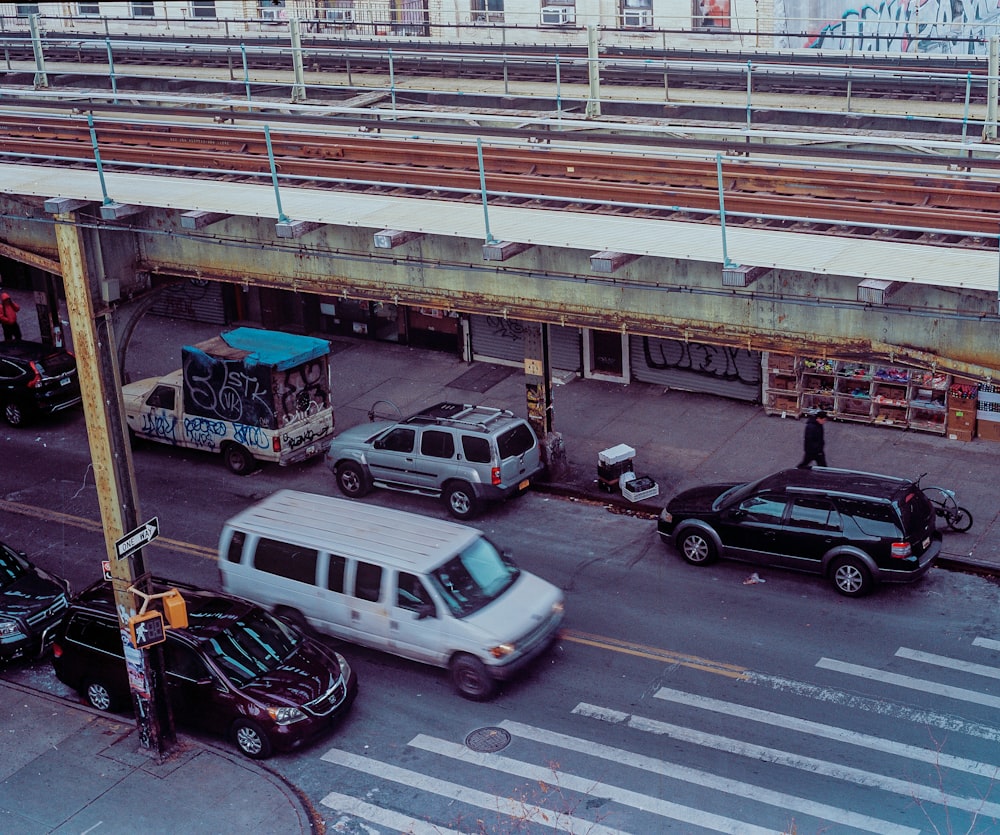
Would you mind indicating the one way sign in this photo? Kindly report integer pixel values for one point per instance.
(135, 539)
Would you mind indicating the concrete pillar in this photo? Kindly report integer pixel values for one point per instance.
(538, 384)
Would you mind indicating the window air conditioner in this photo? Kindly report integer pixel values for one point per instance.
(637, 18)
(340, 15)
(557, 15)
(268, 14)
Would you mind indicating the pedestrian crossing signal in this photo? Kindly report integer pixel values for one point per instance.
(147, 630)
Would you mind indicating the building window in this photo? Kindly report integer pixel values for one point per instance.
(558, 12)
(712, 14)
(26, 9)
(143, 9)
(272, 10)
(88, 9)
(203, 9)
(637, 14)
(487, 11)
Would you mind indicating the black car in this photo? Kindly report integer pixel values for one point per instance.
(32, 603)
(855, 528)
(36, 379)
(235, 670)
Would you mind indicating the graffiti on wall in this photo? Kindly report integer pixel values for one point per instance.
(955, 27)
(506, 328)
(736, 364)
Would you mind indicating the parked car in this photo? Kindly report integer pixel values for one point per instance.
(235, 670)
(32, 603)
(856, 528)
(465, 454)
(36, 379)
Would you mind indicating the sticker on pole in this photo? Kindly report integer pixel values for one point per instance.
(135, 539)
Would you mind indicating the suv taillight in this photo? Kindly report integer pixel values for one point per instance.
(901, 550)
(495, 475)
(36, 379)
(57, 650)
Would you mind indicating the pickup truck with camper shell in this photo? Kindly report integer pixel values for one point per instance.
(252, 395)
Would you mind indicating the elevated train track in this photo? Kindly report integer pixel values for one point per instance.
(946, 208)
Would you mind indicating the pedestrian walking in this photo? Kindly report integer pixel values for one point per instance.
(8, 318)
(814, 441)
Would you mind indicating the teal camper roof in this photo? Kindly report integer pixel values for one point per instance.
(255, 346)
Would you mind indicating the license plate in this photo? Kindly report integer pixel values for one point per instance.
(927, 543)
(64, 381)
(524, 485)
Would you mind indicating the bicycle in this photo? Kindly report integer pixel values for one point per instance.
(947, 507)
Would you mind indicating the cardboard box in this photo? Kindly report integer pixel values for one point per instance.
(988, 430)
(784, 403)
(959, 434)
(961, 419)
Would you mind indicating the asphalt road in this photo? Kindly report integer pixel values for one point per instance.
(679, 699)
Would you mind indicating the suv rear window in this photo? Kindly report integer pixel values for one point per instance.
(55, 364)
(515, 441)
(916, 511)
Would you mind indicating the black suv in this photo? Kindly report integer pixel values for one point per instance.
(32, 603)
(855, 528)
(36, 379)
(235, 670)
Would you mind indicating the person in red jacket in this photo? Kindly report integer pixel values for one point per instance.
(8, 318)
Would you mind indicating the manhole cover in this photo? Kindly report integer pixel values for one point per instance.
(488, 740)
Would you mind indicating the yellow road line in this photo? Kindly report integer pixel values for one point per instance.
(47, 515)
(654, 653)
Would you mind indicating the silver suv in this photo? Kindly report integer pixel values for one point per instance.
(465, 454)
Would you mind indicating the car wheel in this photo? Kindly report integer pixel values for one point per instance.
(98, 695)
(238, 459)
(696, 547)
(251, 739)
(352, 480)
(15, 414)
(471, 678)
(851, 577)
(461, 501)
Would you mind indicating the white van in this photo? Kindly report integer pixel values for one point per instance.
(422, 588)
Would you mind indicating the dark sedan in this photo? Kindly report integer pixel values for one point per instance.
(856, 528)
(32, 603)
(36, 379)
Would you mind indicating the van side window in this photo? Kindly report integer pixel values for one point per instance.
(286, 560)
(476, 449)
(335, 578)
(235, 552)
(410, 592)
(368, 581)
(437, 444)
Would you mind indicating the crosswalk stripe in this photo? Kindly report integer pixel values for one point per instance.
(880, 707)
(347, 805)
(782, 800)
(988, 643)
(807, 726)
(589, 788)
(858, 776)
(909, 682)
(950, 663)
(516, 809)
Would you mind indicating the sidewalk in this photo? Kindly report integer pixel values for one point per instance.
(67, 768)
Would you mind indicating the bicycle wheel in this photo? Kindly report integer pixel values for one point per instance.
(959, 519)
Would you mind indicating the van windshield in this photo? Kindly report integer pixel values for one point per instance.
(474, 578)
(253, 646)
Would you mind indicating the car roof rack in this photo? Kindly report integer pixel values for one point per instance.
(460, 414)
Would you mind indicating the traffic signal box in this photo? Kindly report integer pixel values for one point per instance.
(148, 629)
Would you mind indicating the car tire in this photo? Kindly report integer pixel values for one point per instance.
(851, 577)
(461, 500)
(100, 696)
(16, 414)
(352, 480)
(250, 738)
(696, 547)
(471, 678)
(238, 459)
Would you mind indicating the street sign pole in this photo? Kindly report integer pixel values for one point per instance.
(111, 457)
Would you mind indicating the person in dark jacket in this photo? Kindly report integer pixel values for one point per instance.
(814, 441)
